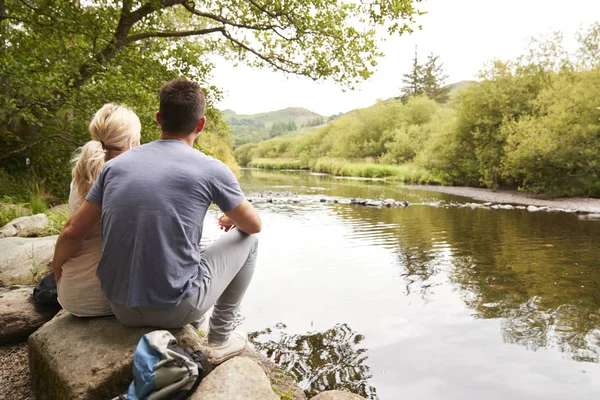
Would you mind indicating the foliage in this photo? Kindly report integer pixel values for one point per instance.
(559, 151)
(61, 60)
(57, 221)
(531, 123)
(10, 211)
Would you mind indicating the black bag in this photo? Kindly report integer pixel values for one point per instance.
(45, 292)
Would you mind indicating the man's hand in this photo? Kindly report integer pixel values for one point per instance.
(245, 218)
(72, 235)
(225, 223)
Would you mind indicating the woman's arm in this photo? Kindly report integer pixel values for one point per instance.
(72, 235)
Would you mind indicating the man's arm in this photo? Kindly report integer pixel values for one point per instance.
(72, 235)
(245, 217)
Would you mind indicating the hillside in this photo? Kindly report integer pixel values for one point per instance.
(257, 127)
(455, 87)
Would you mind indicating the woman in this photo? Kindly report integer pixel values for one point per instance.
(114, 129)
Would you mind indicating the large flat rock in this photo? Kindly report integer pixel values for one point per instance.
(91, 358)
(237, 379)
(25, 260)
(19, 315)
(87, 358)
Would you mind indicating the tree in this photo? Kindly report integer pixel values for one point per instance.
(434, 78)
(278, 128)
(413, 81)
(291, 126)
(427, 79)
(60, 59)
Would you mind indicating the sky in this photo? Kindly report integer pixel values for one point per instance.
(464, 33)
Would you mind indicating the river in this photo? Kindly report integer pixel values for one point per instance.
(426, 301)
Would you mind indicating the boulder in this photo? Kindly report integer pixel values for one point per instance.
(19, 315)
(91, 358)
(337, 395)
(25, 226)
(533, 208)
(87, 358)
(237, 379)
(25, 260)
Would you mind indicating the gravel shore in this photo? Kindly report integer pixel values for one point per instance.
(15, 381)
(580, 204)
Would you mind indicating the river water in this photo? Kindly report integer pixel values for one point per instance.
(423, 302)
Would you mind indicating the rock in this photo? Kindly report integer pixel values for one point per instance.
(87, 358)
(322, 200)
(237, 379)
(373, 203)
(532, 208)
(19, 315)
(91, 358)
(337, 395)
(25, 260)
(25, 226)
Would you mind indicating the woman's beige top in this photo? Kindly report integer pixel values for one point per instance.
(79, 289)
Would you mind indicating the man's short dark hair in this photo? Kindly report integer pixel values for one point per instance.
(182, 104)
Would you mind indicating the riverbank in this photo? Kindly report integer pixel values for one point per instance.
(581, 204)
(407, 173)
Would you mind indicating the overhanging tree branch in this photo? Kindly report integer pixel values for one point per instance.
(190, 6)
(265, 58)
(173, 34)
(33, 144)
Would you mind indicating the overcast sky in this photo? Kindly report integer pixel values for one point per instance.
(465, 33)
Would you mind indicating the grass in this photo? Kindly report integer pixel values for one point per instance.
(57, 222)
(277, 163)
(10, 211)
(31, 200)
(408, 173)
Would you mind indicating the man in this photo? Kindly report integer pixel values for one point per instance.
(152, 201)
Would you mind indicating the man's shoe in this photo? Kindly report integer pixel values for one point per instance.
(233, 347)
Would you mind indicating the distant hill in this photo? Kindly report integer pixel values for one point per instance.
(455, 87)
(297, 114)
(254, 128)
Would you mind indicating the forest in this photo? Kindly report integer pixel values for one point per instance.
(61, 60)
(532, 124)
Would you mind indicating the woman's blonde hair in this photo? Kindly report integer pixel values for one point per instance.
(115, 129)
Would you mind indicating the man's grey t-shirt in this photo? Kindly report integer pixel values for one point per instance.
(154, 199)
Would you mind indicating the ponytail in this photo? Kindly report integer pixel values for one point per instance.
(87, 163)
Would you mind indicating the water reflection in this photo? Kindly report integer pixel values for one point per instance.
(329, 360)
(535, 271)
